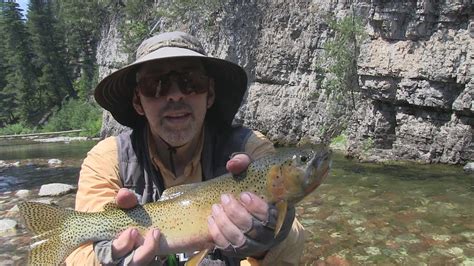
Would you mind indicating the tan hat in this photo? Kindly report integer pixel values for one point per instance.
(115, 92)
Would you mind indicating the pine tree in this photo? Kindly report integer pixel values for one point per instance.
(54, 82)
(19, 97)
(81, 21)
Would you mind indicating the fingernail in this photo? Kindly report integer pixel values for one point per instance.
(225, 199)
(156, 234)
(245, 198)
(216, 209)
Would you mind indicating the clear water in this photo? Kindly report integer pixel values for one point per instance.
(363, 214)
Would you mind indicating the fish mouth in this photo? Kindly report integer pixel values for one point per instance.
(318, 170)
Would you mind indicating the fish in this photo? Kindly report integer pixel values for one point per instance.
(282, 179)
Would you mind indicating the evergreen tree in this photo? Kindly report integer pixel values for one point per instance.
(19, 97)
(54, 83)
(81, 21)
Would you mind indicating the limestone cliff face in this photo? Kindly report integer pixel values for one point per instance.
(416, 99)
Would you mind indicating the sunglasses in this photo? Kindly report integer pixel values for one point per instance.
(187, 82)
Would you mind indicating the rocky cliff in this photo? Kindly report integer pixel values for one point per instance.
(415, 72)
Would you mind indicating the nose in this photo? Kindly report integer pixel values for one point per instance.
(174, 94)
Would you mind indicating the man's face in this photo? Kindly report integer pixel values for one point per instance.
(173, 114)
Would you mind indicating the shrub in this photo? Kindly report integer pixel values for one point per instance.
(76, 114)
(15, 129)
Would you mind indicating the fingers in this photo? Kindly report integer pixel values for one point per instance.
(232, 218)
(130, 239)
(145, 253)
(124, 243)
(228, 232)
(255, 205)
(214, 230)
(125, 199)
(238, 163)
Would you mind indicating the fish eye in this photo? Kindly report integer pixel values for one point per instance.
(303, 158)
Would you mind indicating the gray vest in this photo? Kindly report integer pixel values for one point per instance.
(138, 174)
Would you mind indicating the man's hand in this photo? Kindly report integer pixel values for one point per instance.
(238, 163)
(146, 247)
(232, 218)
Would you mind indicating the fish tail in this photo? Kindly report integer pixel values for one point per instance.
(46, 221)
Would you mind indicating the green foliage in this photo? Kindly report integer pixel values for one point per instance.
(339, 140)
(18, 74)
(42, 58)
(336, 71)
(80, 22)
(184, 9)
(76, 114)
(54, 82)
(342, 52)
(141, 17)
(368, 144)
(136, 25)
(15, 129)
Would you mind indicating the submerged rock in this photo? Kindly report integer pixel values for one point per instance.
(469, 167)
(55, 189)
(54, 162)
(7, 225)
(22, 193)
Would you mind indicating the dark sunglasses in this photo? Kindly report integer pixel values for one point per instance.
(188, 82)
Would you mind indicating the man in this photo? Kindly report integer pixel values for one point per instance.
(180, 105)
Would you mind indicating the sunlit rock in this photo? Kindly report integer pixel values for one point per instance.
(469, 167)
(7, 225)
(373, 251)
(54, 162)
(456, 252)
(441, 238)
(55, 189)
(469, 236)
(22, 193)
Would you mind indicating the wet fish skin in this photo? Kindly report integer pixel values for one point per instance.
(181, 214)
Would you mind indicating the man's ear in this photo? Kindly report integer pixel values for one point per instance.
(137, 104)
(211, 94)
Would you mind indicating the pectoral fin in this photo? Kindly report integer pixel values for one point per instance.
(282, 207)
(196, 259)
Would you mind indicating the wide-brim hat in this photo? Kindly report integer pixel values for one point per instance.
(115, 92)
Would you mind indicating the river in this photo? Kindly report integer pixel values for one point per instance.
(364, 214)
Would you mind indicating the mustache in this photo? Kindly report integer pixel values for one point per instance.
(175, 106)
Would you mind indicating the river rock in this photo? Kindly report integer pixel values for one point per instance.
(469, 167)
(48, 200)
(7, 225)
(54, 162)
(22, 193)
(3, 164)
(55, 189)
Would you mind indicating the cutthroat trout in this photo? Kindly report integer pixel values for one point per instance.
(181, 214)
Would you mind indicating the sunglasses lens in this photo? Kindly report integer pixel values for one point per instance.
(150, 87)
(190, 82)
(194, 83)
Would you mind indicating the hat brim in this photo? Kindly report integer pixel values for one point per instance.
(115, 92)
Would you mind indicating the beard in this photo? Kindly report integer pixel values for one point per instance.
(180, 130)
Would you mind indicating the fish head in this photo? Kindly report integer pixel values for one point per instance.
(296, 173)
